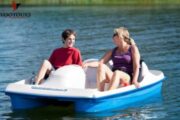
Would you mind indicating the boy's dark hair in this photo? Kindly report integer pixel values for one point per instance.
(66, 33)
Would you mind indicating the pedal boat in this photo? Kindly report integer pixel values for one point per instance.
(78, 86)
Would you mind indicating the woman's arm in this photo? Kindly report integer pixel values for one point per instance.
(91, 64)
(104, 60)
(106, 57)
(136, 62)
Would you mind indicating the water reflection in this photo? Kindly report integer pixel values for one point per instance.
(50, 112)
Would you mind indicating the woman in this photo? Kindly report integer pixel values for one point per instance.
(62, 56)
(125, 57)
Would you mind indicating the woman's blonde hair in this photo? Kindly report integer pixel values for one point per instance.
(124, 33)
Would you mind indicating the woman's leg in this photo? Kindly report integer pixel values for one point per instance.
(117, 78)
(45, 67)
(104, 75)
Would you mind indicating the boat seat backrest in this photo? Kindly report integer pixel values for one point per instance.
(91, 74)
(143, 71)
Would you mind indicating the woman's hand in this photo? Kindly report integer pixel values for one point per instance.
(136, 84)
(85, 65)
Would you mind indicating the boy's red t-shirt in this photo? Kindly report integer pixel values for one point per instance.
(65, 56)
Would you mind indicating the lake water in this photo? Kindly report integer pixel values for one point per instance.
(25, 42)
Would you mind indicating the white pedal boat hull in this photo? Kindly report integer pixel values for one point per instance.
(86, 98)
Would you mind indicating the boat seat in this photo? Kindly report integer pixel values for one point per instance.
(91, 73)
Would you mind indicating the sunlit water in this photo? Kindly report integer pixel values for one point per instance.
(25, 42)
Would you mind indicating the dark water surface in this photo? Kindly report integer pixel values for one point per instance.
(25, 42)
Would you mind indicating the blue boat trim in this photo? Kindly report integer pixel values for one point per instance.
(64, 98)
(52, 89)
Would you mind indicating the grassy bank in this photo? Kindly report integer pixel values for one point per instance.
(93, 2)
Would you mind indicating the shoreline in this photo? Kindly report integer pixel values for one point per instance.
(92, 2)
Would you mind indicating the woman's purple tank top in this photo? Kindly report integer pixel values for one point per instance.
(122, 61)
